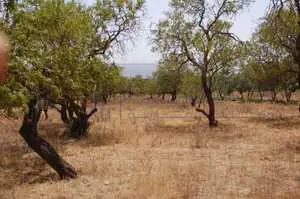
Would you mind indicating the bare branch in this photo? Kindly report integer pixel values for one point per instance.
(229, 34)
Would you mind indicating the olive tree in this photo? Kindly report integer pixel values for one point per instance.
(59, 49)
(199, 30)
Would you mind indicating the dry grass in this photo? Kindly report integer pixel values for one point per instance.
(164, 151)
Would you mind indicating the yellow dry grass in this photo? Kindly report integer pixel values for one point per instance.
(162, 151)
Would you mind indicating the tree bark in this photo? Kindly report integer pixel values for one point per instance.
(29, 132)
(211, 104)
(64, 115)
(80, 124)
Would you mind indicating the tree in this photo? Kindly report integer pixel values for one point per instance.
(59, 49)
(191, 86)
(107, 82)
(223, 83)
(138, 85)
(151, 87)
(270, 63)
(283, 22)
(169, 75)
(200, 31)
(242, 83)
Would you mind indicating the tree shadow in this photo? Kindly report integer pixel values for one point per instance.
(20, 165)
(27, 169)
(286, 123)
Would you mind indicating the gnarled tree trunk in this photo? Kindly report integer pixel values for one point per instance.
(80, 124)
(75, 117)
(29, 132)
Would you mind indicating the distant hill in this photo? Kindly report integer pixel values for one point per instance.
(133, 69)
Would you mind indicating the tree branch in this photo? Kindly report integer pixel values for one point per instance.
(202, 111)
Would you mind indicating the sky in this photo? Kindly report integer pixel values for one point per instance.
(244, 25)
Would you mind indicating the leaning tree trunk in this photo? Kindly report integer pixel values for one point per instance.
(210, 101)
(29, 132)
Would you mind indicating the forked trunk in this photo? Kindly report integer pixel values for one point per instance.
(210, 101)
(80, 124)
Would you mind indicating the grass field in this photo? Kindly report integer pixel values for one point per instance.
(152, 150)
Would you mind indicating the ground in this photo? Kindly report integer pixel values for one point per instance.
(151, 149)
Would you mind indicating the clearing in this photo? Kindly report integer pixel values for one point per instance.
(152, 149)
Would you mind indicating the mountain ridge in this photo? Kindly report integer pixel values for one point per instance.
(134, 69)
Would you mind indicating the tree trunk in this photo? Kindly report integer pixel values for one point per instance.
(288, 95)
(250, 95)
(261, 95)
(105, 98)
(64, 115)
(193, 102)
(174, 96)
(242, 96)
(29, 132)
(80, 124)
(274, 95)
(211, 104)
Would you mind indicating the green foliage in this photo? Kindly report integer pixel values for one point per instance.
(224, 83)
(271, 53)
(109, 78)
(151, 87)
(137, 85)
(242, 83)
(169, 75)
(64, 48)
(191, 85)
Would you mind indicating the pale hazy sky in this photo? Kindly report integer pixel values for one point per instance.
(245, 24)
